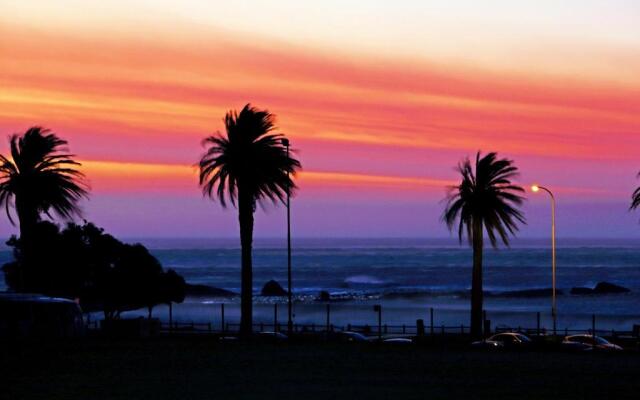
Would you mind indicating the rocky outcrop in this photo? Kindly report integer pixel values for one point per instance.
(273, 288)
(324, 296)
(601, 288)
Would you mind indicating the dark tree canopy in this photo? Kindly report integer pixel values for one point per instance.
(83, 262)
(485, 194)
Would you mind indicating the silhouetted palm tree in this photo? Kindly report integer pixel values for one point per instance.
(635, 198)
(39, 178)
(247, 165)
(485, 200)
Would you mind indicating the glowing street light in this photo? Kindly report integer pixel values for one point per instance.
(554, 311)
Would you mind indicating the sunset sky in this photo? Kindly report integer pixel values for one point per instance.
(381, 99)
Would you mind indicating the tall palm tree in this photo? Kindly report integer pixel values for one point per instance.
(247, 165)
(40, 177)
(485, 200)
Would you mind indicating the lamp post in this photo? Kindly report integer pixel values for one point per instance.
(554, 311)
(285, 142)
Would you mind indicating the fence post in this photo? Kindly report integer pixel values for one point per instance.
(275, 317)
(222, 317)
(378, 309)
(431, 320)
(538, 323)
(328, 316)
(420, 327)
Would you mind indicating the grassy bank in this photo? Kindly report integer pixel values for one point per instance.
(200, 368)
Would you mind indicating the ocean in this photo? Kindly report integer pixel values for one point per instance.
(408, 277)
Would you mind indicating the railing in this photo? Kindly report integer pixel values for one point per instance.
(379, 329)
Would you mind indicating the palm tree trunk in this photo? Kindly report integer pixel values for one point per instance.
(27, 216)
(245, 211)
(476, 281)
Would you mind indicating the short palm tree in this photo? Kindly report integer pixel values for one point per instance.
(247, 165)
(40, 177)
(485, 200)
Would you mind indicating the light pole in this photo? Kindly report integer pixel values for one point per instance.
(285, 142)
(554, 311)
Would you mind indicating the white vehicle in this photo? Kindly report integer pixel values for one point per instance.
(510, 340)
(33, 315)
(588, 343)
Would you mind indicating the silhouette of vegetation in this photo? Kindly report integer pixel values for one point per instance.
(83, 262)
(485, 200)
(246, 166)
(40, 177)
(635, 198)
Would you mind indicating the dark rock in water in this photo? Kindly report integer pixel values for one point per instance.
(207, 291)
(606, 287)
(601, 288)
(273, 288)
(324, 296)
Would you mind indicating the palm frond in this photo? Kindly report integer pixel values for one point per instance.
(42, 172)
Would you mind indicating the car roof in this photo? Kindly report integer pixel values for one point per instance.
(31, 298)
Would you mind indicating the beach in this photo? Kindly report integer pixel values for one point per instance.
(203, 368)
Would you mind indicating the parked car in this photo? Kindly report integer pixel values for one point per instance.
(398, 341)
(33, 315)
(588, 343)
(508, 340)
(349, 336)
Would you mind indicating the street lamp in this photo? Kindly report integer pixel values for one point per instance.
(554, 311)
(285, 143)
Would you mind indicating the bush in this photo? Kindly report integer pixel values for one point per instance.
(82, 262)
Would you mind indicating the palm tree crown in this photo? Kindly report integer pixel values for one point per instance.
(40, 178)
(486, 196)
(250, 158)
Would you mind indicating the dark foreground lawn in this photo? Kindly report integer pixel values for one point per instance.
(199, 368)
